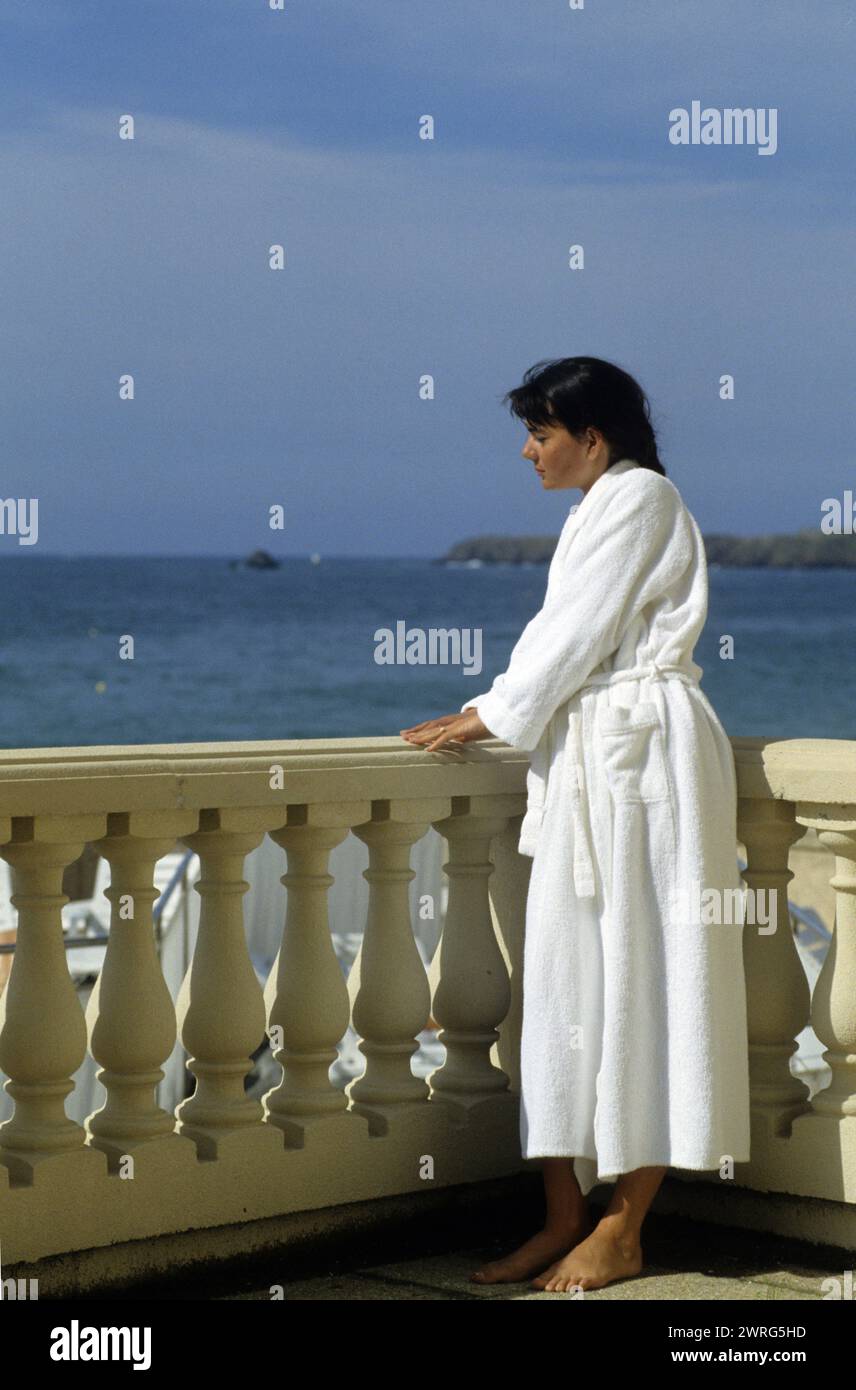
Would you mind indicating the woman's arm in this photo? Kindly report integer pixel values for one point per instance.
(631, 547)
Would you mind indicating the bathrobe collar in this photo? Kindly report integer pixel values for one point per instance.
(575, 517)
(622, 466)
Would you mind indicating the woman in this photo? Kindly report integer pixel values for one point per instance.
(634, 1050)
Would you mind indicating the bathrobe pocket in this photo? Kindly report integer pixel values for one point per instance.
(631, 740)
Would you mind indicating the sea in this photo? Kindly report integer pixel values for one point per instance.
(99, 651)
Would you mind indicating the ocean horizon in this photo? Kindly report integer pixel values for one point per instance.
(225, 652)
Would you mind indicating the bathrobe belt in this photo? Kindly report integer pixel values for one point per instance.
(583, 862)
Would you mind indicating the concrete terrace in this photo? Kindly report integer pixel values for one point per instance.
(429, 1255)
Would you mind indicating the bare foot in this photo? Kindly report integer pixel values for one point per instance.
(536, 1254)
(603, 1256)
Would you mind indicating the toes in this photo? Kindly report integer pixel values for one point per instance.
(559, 1283)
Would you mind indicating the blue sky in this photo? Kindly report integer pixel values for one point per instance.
(403, 257)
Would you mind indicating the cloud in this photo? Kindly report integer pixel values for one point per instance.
(255, 387)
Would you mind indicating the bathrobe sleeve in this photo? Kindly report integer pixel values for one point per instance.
(635, 542)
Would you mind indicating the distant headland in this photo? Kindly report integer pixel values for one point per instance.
(808, 549)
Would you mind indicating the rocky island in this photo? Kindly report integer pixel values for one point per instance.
(806, 549)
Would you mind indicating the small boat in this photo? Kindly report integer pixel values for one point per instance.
(261, 560)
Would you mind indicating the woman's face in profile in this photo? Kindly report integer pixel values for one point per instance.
(561, 461)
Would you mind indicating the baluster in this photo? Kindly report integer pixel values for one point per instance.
(221, 1007)
(306, 994)
(777, 988)
(833, 1013)
(42, 1029)
(130, 1015)
(472, 993)
(388, 984)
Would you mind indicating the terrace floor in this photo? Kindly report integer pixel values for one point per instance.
(685, 1260)
(754, 1267)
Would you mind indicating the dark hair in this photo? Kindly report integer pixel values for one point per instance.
(579, 392)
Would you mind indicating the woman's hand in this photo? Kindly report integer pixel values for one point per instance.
(434, 734)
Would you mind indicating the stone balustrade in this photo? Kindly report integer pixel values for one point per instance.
(801, 1145)
(135, 1171)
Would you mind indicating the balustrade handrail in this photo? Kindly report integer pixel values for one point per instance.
(47, 781)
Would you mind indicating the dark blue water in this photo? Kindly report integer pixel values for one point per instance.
(289, 653)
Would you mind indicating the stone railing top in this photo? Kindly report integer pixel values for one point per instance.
(818, 770)
(157, 776)
(59, 781)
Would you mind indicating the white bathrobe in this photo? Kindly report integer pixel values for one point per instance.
(634, 1047)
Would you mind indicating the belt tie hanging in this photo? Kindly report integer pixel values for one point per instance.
(653, 670)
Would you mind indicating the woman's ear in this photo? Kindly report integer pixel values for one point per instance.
(593, 440)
